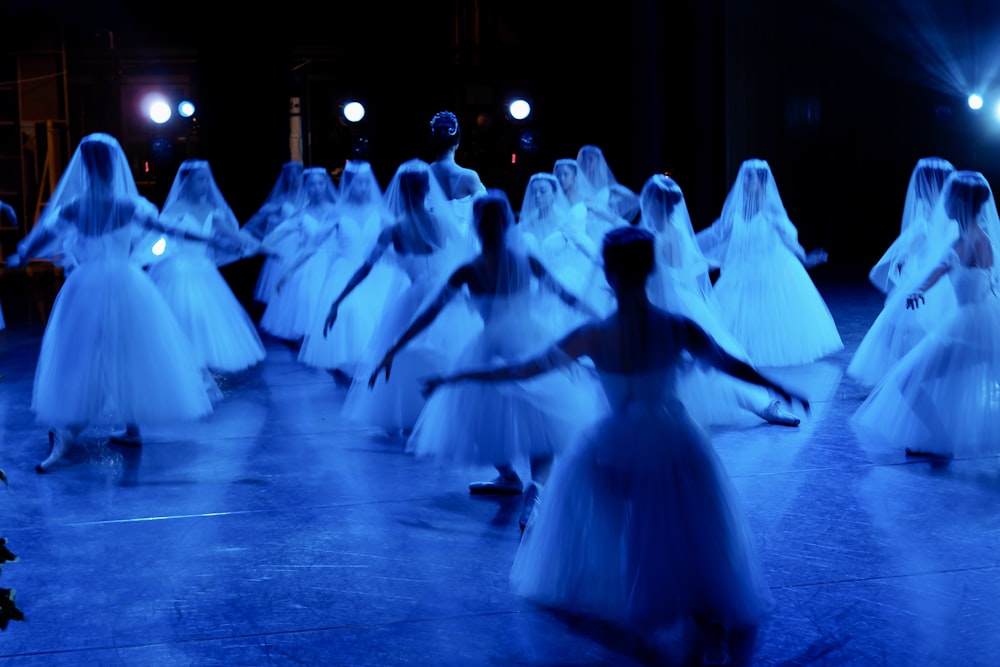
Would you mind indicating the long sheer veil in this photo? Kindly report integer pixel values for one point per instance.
(360, 198)
(416, 203)
(96, 194)
(916, 231)
(582, 190)
(543, 208)
(278, 200)
(967, 199)
(194, 189)
(753, 200)
(664, 212)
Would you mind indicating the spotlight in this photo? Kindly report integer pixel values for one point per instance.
(354, 112)
(975, 101)
(186, 108)
(159, 112)
(519, 109)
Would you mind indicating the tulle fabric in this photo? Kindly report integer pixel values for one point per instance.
(475, 424)
(639, 523)
(771, 306)
(345, 346)
(223, 337)
(138, 366)
(395, 404)
(943, 396)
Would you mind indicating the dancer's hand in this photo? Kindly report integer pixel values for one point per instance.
(815, 258)
(330, 319)
(915, 300)
(386, 363)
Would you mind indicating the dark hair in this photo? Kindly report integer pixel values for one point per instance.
(970, 187)
(445, 131)
(493, 215)
(628, 256)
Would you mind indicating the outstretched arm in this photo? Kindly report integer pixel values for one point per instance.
(565, 295)
(421, 322)
(703, 347)
(563, 353)
(359, 275)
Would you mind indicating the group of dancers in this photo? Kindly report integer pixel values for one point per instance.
(582, 337)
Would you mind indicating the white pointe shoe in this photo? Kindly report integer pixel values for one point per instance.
(773, 414)
(58, 444)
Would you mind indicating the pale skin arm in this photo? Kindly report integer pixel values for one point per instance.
(380, 247)
(421, 322)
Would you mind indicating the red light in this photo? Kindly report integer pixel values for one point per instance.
(513, 158)
(145, 167)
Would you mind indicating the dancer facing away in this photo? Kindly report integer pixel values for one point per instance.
(640, 524)
(460, 184)
(481, 425)
(112, 351)
(766, 295)
(415, 255)
(186, 272)
(941, 398)
(897, 330)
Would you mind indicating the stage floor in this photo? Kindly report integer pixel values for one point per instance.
(276, 533)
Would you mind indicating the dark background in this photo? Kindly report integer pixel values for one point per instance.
(840, 97)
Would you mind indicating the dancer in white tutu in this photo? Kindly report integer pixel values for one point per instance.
(312, 241)
(611, 201)
(339, 351)
(556, 234)
(278, 207)
(766, 295)
(897, 330)
(639, 523)
(475, 424)
(416, 254)
(112, 352)
(941, 398)
(186, 272)
(680, 284)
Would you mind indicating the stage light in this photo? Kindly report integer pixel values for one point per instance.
(354, 112)
(186, 108)
(519, 109)
(975, 101)
(159, 112)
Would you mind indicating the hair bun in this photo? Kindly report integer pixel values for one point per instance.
(444, 122)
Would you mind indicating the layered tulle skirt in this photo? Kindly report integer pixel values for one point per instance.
(395, 403)
(774, 310)
(639, 524)
(223, 336)
(471, 423)
(943, 396)
(113, 353)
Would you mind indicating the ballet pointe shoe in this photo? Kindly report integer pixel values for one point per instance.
(773, 414)
(58, 444)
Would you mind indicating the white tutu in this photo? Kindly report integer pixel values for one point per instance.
(640, 525)
(943, 396)
(395, 404)
(344, 346)
(772, 307)
(223, 336)
(113, 353)
(479, 424)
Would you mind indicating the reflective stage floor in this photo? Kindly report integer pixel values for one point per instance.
(275, 533)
